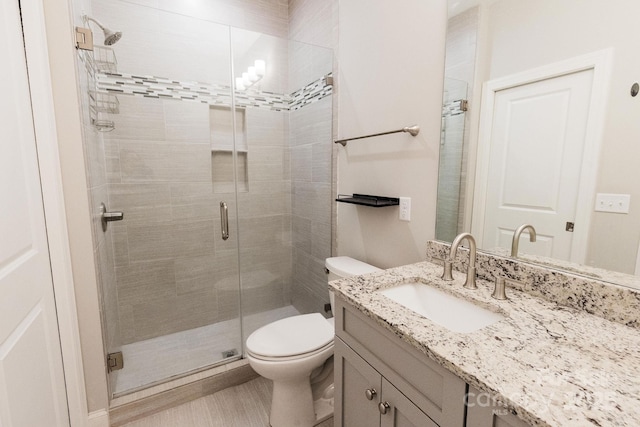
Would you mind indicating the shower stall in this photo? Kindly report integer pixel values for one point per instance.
(453, 209)
(215, 144)
(452, 162)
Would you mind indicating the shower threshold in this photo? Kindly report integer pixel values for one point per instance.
(157, 360)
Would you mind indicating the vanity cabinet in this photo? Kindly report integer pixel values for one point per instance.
(383, 381)
(368, 399)
(482, 412)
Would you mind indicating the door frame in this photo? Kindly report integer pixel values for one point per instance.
(40, 86)
(600, 63)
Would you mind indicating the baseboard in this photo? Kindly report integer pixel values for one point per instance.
(123, 411)
(99, 418)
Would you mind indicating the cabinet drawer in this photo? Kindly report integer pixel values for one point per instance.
(436, 391)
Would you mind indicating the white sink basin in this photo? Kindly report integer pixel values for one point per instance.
(453, 313)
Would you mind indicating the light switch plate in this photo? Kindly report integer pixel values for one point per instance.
(405, 209)
(615, 203)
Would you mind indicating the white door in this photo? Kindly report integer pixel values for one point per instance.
(537, 143)
(32, 389)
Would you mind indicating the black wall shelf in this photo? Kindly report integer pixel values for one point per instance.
(367, 200)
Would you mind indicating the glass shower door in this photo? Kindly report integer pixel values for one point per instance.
(283, 116)
(260, 66)
(171, 301)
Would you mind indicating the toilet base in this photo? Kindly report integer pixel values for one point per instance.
(292, 404)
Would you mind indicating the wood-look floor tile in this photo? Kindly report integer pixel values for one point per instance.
(245, 405)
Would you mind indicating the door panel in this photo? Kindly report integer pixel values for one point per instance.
(353, 377)
(537, 144)
(32, 391)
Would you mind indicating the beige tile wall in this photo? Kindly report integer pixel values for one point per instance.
(173, 270)
(312, 21)
(264, 16)
(265, 213)
(160, 177)
(163, 44)
(311, 198)
(310, 135)
(449, 174)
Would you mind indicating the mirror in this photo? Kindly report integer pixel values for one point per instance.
(490, 40)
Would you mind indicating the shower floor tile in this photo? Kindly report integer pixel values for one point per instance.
(158, 359)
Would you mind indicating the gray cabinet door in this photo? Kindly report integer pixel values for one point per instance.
(482, 412)
(353, 378)
(401, 411)
(360, 390)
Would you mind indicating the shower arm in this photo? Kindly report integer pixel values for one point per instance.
(88, 18)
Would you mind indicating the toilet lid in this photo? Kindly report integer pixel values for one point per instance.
(291, 336)
(345, 266)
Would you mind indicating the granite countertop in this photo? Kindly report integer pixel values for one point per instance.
(552, 365)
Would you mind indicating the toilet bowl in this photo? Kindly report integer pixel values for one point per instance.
(296, 353)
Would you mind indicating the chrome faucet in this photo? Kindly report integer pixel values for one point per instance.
(516, 238)
(470, 283)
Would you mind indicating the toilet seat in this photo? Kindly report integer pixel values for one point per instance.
(328, 347)
(291, 338)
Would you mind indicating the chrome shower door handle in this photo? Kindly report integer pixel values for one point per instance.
(224, 220)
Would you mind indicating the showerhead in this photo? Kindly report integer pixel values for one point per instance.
(110, 37)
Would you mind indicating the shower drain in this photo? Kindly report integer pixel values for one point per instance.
(229, 353)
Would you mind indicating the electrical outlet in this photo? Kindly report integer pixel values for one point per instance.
(405, 208)
(616, 203)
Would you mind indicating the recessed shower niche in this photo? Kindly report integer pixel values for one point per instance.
(222, 149)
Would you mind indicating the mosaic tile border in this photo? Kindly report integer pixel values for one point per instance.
(212, 94)
(452, 108)
(312, 92)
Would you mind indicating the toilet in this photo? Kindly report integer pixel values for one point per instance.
(296, 353)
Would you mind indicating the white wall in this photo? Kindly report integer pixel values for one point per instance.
(391, 62)
(521, 35)
(313, 21)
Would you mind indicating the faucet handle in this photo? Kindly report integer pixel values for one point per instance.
(499, 292)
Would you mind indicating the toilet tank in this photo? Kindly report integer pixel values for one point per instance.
(343, 266)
